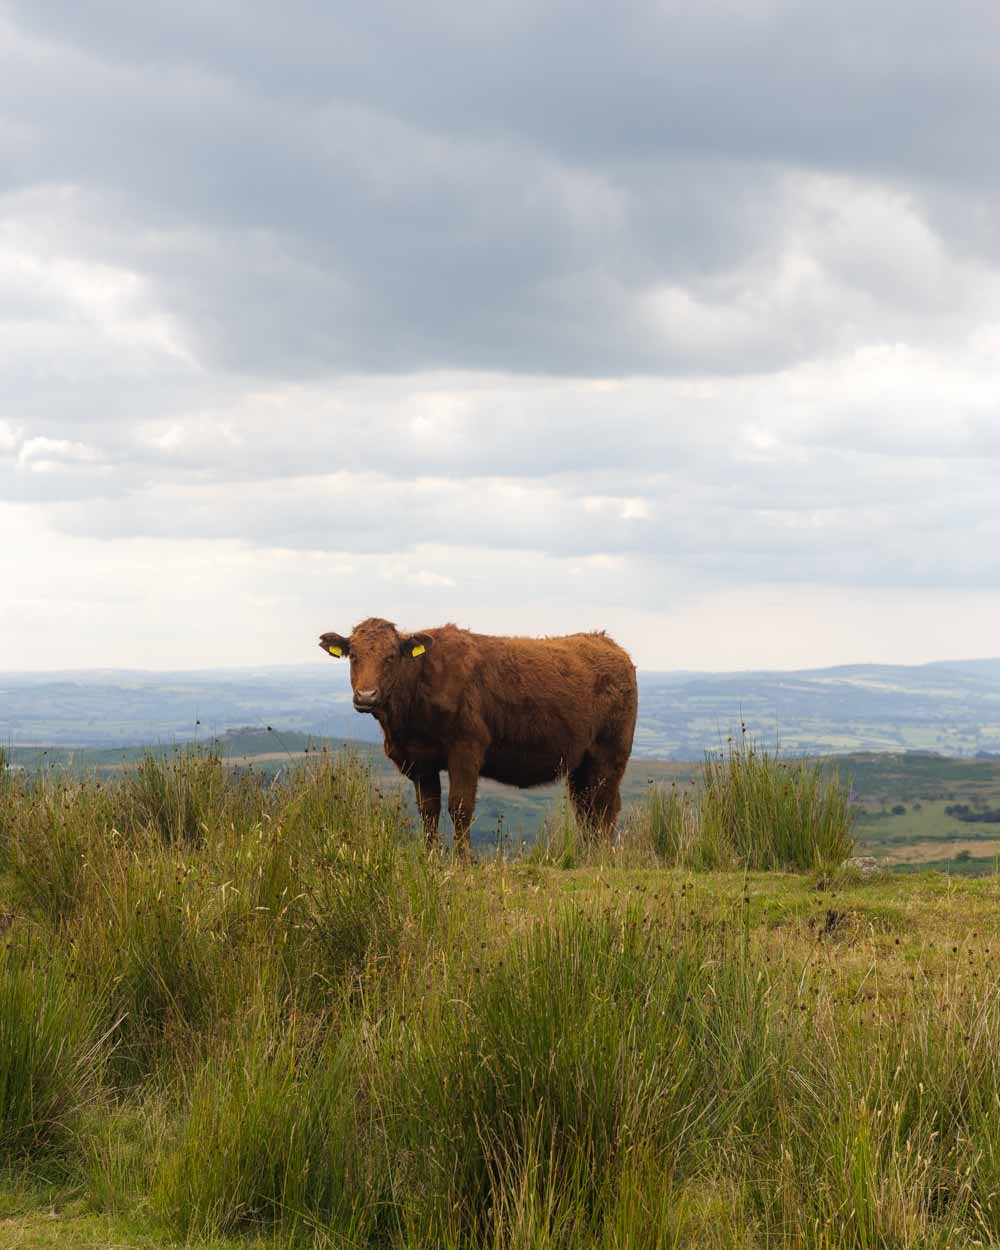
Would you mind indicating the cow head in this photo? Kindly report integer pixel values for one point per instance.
(378, 653)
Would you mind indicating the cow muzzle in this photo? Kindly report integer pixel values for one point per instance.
(365, 700)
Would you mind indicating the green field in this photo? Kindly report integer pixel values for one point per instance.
(235, 1014)
(901, 809)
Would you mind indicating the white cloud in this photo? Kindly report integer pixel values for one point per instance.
(9, 438)
(166, 603)
(78, 299)
(632, 508)
(34, 453)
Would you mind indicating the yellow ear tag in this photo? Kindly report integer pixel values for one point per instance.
(337, 651)
(418, 650)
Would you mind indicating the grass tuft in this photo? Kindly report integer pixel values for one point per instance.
(752, 810)
(775, 813)
(50, 1052)
(268, 1138)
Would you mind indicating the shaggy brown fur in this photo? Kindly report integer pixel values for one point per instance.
(522, 711)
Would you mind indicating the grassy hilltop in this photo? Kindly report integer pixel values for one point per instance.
(242, 1014)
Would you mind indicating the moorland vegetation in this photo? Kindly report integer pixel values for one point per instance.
(250, 1012)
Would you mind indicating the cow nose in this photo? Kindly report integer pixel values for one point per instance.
(366, 696)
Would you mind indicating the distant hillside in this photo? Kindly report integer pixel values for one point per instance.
(120, 708)
(951, 708)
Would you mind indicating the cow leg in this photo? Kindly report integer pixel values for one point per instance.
(428, 788)
(595, 790)
(464, 763)
(581, 792)
(606, 803)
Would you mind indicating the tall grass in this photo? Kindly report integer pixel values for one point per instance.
(50, 824)
(50, 1052)
(586, 1050)
(268, 1137)
(262, 1009)
(175, 933)
(179, 798)
(774, 813)
(158, 947)
(751, 810)
(672, 820)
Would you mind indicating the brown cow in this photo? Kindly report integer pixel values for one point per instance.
(523, 711)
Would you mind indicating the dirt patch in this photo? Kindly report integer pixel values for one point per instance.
(944, 848)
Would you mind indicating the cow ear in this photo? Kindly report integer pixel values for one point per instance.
(335, 645)
(415, 644)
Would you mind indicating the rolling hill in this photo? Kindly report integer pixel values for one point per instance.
(950, 708)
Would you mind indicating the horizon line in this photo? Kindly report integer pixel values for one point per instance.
(309, 664)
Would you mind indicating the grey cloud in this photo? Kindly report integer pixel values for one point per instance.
(641, 77)
(838, 521)
(382, 190)
(713, 459)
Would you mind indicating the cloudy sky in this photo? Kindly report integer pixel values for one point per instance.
(681, 320)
